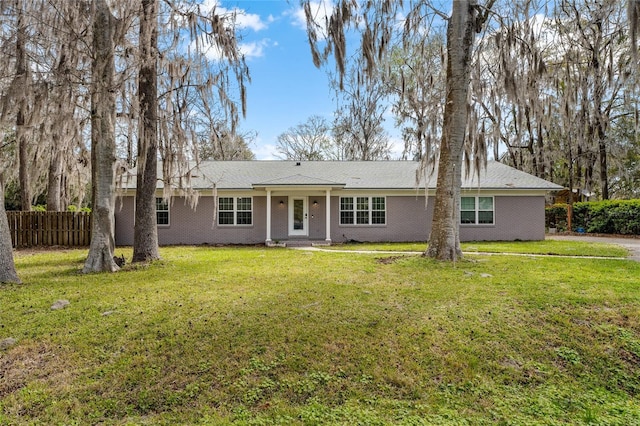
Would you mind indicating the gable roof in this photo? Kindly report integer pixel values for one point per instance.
(298, 180)
(242, 175)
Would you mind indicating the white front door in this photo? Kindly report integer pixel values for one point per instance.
(298, 217)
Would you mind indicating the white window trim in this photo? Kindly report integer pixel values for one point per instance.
(235, 212)
(477, 210)
(355, 210)
(164, 225)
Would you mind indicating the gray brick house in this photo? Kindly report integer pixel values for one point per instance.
(250, 202)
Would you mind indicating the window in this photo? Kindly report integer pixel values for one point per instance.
(235, 211)
(243, 214)
(162, 211)
(476, 210)
(346, 210)
(468, 210)
(378, 211)
(363, 211)
(225, 211)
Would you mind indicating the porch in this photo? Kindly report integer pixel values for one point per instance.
(298, 211)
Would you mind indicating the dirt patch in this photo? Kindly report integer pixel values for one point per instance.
(44, 249)
(388, 260)
(23, 364)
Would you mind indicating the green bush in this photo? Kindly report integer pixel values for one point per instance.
(580, 216)
(608, 217)
(556, 216)
(74, 208)
(71, 208)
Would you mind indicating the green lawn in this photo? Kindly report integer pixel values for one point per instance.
(547, 247)
(274, 336)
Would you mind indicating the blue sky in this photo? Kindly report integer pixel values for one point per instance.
(286, 88)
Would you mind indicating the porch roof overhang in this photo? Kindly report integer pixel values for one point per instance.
(299, 182)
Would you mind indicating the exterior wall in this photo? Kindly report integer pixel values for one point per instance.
(279, 219)
(125, 208)
(515, 217)
(408, 219)
(317, 218)
(194, 226)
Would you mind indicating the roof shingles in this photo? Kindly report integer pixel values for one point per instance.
(350, 175)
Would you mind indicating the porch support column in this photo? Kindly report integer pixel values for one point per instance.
(328, 215)
(268, 240)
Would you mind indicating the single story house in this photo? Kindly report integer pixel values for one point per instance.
(251, 202)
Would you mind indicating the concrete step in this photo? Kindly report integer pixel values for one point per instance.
(305, 243)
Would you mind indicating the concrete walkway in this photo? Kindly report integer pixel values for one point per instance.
(632, 244)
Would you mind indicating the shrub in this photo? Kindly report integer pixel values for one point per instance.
(556, 216)
(580, 215)
(608, 217)
(74, 208)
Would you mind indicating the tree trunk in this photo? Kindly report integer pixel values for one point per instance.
(24, 162)
(599, 115)
(54, 183)
(8, 272)
(103, 146)
(63, 120)
(604, 175)
(145, 235)
(542, 164)
(444, 241)
(601, 137)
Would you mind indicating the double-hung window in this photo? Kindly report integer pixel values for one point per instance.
(363, 211)
(235, 211)
(476, 210)
(162, 211)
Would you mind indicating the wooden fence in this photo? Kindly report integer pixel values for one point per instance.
(39, 229)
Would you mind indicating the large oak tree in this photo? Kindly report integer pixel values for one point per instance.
(145, 237)
(103, 139)
(169, 126)
(377, 21)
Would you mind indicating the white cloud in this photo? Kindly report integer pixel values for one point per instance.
(298, 18)
(265, 151)
(243, 19)
(212, 52)
(249, 20)
(208, 5)
(397, 147)
(321, 9)
(255, 49)
(250, 50)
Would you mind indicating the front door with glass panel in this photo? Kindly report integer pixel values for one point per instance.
(298, 216)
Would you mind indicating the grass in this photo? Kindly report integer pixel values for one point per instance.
(547, 247)
(255, 336)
